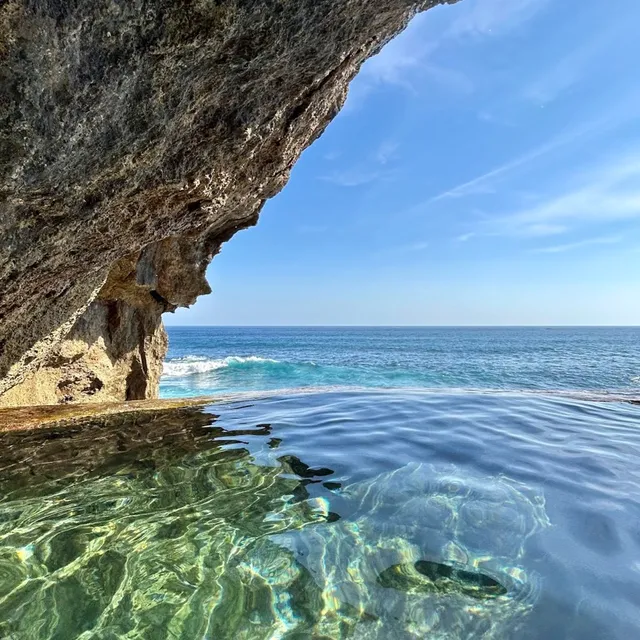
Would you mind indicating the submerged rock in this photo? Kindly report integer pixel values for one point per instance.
(135, 138)
(426, 576)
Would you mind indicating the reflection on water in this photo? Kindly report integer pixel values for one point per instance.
(185, 524)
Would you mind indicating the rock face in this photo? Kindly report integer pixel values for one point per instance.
(135, 138)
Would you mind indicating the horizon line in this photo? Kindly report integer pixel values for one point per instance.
(404, 326)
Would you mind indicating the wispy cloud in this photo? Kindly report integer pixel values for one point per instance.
(571, 69)
(571, 246)
(411, 247)
(356, 176)
(406, 59)
(488, 182)
(330, 156)
(402, 56)
(486, 115)
(550, 85)
(608, 192)
(489, 17)
(387, 151)
(376, 168)
(415, 246)
(534, 230)
(391, 64)
(312, 229)
(412, 54)
(452, 79)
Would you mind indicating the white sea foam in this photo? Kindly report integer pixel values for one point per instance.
(192, 365)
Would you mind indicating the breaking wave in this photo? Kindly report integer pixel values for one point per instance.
(196, 374)
(193, 365)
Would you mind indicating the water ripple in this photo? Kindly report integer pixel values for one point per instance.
(327, 515)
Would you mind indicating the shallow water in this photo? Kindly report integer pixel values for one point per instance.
(378, 514)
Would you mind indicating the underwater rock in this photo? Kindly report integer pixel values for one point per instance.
(426, 576)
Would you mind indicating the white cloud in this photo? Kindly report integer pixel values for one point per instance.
(412, 247)
(391, 64)
(449, 78)
(416, 246)
(413, 50)
(569, 70)
(536, 230)
(330, 156)
(491, 117)
(609, 192)
(376, 168)
(556, 81)
(387, 152)
(600, 53)
(407, 51)
(358, 176)
(487, 183)
(313, 229)
(570, 246)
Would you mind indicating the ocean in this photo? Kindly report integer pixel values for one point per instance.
(365, 483)
(204, 360)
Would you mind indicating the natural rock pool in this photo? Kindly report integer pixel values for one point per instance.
(326, 515)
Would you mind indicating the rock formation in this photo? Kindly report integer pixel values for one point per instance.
(135, 138)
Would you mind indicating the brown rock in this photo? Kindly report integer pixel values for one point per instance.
(135, 138)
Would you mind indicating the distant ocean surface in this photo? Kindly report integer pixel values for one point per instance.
(205, 360)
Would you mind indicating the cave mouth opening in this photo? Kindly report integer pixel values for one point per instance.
(453, 174)
(444, 185)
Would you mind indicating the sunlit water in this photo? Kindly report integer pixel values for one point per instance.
(327, 515)
(221, 359)
(445, 513)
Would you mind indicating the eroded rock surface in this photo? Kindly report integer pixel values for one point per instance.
(135, 138)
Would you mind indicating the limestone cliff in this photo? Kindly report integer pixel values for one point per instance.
(135, 138)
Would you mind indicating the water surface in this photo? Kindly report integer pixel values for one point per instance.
(221, 359)
(346, 514)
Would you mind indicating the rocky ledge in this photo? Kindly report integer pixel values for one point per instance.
(135, 138)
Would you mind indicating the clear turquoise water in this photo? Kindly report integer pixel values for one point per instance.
(209, 360)
(493, 493)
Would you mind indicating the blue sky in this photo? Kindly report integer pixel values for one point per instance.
(485, 170)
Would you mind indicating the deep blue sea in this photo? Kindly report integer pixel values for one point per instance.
(204, 360)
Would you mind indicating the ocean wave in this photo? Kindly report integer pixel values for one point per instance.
(253, 374)
(193, 365)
